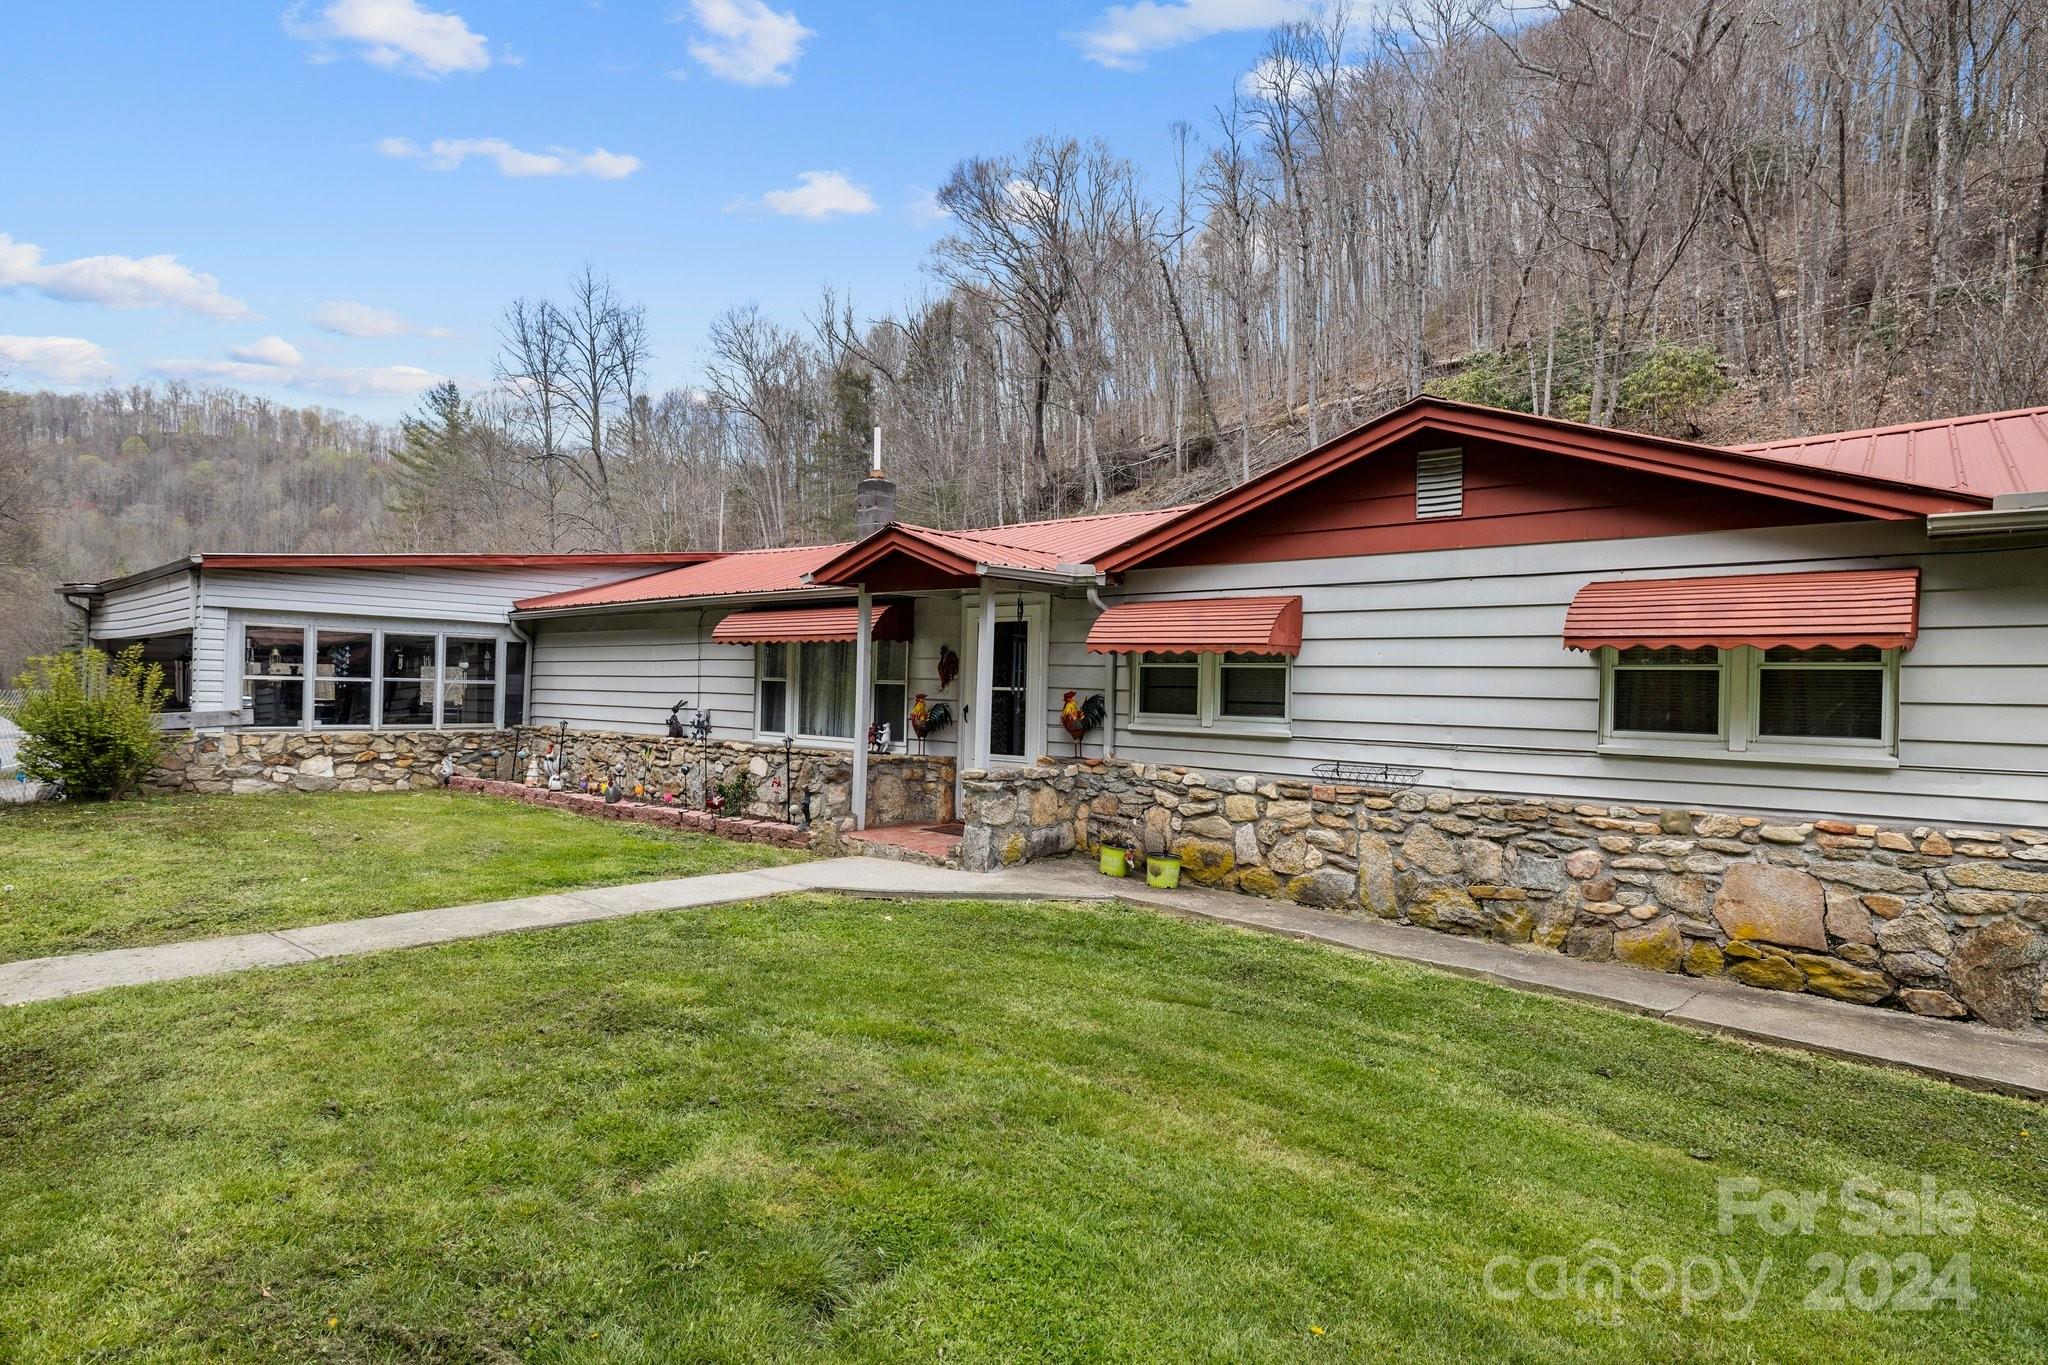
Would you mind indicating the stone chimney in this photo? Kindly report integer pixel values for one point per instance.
(874, 498)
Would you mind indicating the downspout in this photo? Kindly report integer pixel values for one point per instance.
(526, 683)
(1108, 685)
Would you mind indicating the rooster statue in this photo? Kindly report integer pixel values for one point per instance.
(1079, 717)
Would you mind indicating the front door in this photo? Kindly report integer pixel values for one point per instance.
(1016, 727)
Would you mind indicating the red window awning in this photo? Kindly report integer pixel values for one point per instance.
(1200, 625)
(1805, 610)
(889, 621)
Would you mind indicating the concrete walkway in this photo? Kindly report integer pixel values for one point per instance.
(1968, 1054)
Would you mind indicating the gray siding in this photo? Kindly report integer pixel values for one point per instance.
(1452, 661)
(438, 594)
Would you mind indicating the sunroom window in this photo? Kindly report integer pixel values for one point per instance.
(274, 675)
(469, 682)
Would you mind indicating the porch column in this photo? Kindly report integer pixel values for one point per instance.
(863, 704)
(984, 673)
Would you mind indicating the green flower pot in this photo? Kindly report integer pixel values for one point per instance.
(1162, 874)
(1112, 862)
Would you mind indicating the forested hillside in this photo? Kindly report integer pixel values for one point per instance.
(1734, 219)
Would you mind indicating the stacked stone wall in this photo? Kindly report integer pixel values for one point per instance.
(1942, 921)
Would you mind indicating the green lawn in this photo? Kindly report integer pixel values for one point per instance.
(829, 1129)
(80, 877)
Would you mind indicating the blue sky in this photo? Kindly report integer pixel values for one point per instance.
(331, 202)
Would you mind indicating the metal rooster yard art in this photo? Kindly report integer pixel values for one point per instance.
(1078, 716)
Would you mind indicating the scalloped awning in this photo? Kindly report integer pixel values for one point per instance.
(1879, 607)
(802, 625)
(1200, 625)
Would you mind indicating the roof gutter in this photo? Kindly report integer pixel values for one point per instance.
(2011, 514)
(1065, 576)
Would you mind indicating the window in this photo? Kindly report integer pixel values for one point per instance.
(1170, 685)
(274, 674)
(1764, 702)
(469, 682)
(1210, 689)
(409, 679)
(1824, 694)
(515, 683)
(892, 686)
(342, 668)
(1253, 687)
(772, 668)
(1668, 691)
(807, 689)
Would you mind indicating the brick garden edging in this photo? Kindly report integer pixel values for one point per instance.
(740, 828)
(1946, 922)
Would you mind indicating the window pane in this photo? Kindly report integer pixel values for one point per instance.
(408, 680)
(1255, 692)
(825, 690)
(774, 701)
(469, 673)
(890, 701)
(273, 651)
(775, 661)
(1006, 721)
(341, 672)
(892, 660)
(1668, 701)
(1821, 703)
(515, 682)
(276, 701)
(1168, 689)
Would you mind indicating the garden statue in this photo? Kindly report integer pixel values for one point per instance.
(446, 768)
(615, 785)
(1079, 717)
(929, 717)
(878, 738)
(949, 666)
(532, 768)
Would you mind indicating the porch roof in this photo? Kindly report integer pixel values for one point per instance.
(1066, 545)
(741, 573)
(887, 621)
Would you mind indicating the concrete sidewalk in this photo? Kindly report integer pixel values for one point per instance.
(1968, 1054)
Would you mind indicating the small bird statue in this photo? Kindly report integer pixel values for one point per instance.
(1079, 717)
(949, 666)
(929, 717)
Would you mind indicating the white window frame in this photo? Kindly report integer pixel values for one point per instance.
(309, 632)
(1208, 716)
(1610, 664)
(791, 680)
(1741, 705)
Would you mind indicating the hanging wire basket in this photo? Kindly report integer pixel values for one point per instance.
(1367, 774)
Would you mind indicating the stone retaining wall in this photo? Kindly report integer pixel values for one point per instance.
(639, 812)
(1940, 921)
(902, 788)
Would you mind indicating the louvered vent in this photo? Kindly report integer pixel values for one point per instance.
(1439, 483)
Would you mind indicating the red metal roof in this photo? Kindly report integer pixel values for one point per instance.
(742, 573)
(1037, 546)
(1806, 610)
(1985, 455)
(632, 560)
(1200, 625)
(888, 621)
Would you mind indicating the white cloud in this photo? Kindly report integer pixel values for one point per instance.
(1125, 34)
(398, 35)
(61, 360)
(446, 153)
(1269, 80)
(268, 351)
(361, 320)
(116, 281)
(924, 208)
(819, 194)
(746, 42)
(334, 381)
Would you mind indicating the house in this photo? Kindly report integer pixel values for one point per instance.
(1732, 709)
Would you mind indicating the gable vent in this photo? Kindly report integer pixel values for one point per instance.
(1439, 483)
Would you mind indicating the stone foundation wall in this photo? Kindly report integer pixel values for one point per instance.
(250, 762)
(902, 788)
(1940, 921)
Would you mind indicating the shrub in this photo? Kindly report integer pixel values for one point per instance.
(90, 721)
(1670, 385)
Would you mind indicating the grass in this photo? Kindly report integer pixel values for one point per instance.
(81, 877)
(821, 1129)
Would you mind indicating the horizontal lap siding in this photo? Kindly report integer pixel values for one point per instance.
(161, 606)
(623, 673)
(1452, 661)
(439, 594)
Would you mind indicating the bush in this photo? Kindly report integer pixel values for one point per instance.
(1670, 386)
(90, 721)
